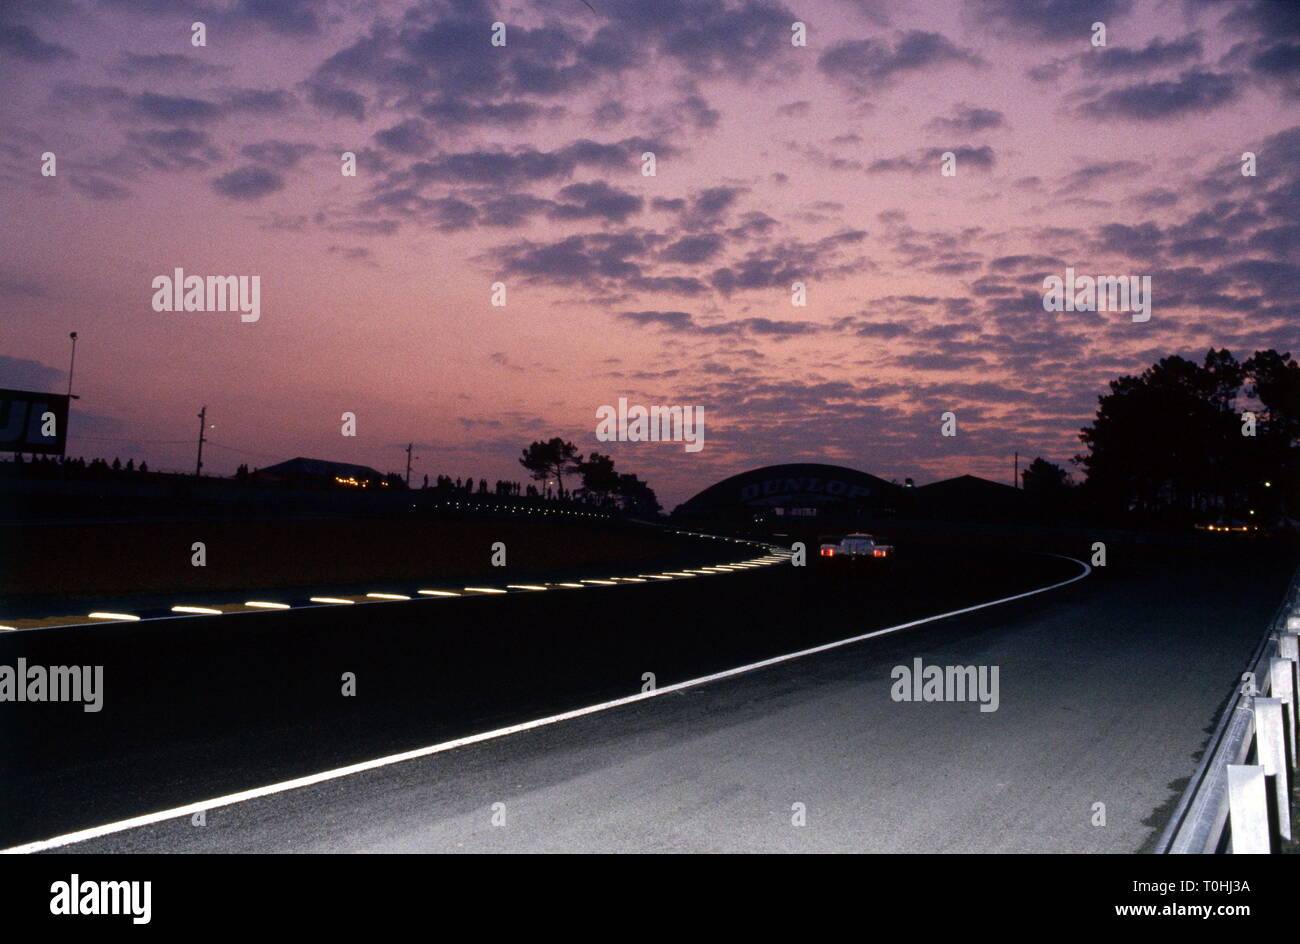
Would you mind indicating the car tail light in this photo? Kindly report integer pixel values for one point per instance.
(828, 552)
(879, 553)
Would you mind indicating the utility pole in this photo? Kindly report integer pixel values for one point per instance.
(409, 446)
(203, 425)
(63, 467)
(1016, 480)
(72, 365)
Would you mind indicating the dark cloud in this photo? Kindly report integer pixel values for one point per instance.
(291, 17)
(176, 109)
(173, 149)
(1048, 71)
(511, 209)
(248, 183)
(1142, 241)
(939, 361)
(698, 113)
(162, 65)
(608, 113)
(693, 250)
(968, 119)
(334, 100)
(451, 214)
(590, 259)
(528, 165)
(1268, 18)
(671, 319)
(282, 154)
(1021, 262)
(752, 226)
(668, 204)
(684, 323)
(597, 199)
(865, 65)
(1157, 197)
(406, 137)
(259, 101)
(1091, 174)
(170, 139)
(514, 114)
(21, 42)
(779, 266)
(1052, 21)
(23, 374)
(928, 160)
(15, 286)
(883, 330)
(1194, 91)
(352, 253)
(1117, 60)
(795, 109)
(88, 97)
(708, 208)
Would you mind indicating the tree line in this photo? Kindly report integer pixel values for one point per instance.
(602, 484)
(1183, 441)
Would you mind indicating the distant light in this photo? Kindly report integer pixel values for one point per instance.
(437, 593)
(524, 586)
(6, 629)
(575, 586)
(388, 596)
(263, 605)
(330, 600)
(114, 616)
(1268, 484)
(483, 590)
(602, 583)
(206, 610)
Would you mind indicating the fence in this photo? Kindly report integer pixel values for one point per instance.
(1239, 799)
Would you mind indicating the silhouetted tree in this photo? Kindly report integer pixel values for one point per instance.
(1043, 477)
(599, 480)
(636, 496)
(553, 457)
(1171, 437)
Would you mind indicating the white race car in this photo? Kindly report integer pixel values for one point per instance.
(858, 547)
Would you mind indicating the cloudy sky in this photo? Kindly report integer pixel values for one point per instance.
(522, 164)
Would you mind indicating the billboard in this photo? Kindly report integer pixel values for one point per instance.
(25, 425)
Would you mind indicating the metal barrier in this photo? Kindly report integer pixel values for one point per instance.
(1238, 799)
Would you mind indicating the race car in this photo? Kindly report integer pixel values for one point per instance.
(858, 547)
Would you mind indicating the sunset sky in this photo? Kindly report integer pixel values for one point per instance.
(522, 164)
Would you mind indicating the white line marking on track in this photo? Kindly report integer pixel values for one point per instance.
(230, 799)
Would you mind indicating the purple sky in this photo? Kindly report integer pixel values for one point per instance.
(522, 164)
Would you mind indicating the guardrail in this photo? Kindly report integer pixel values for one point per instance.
(1238, 800)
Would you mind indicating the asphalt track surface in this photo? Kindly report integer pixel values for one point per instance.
(1106, 688)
